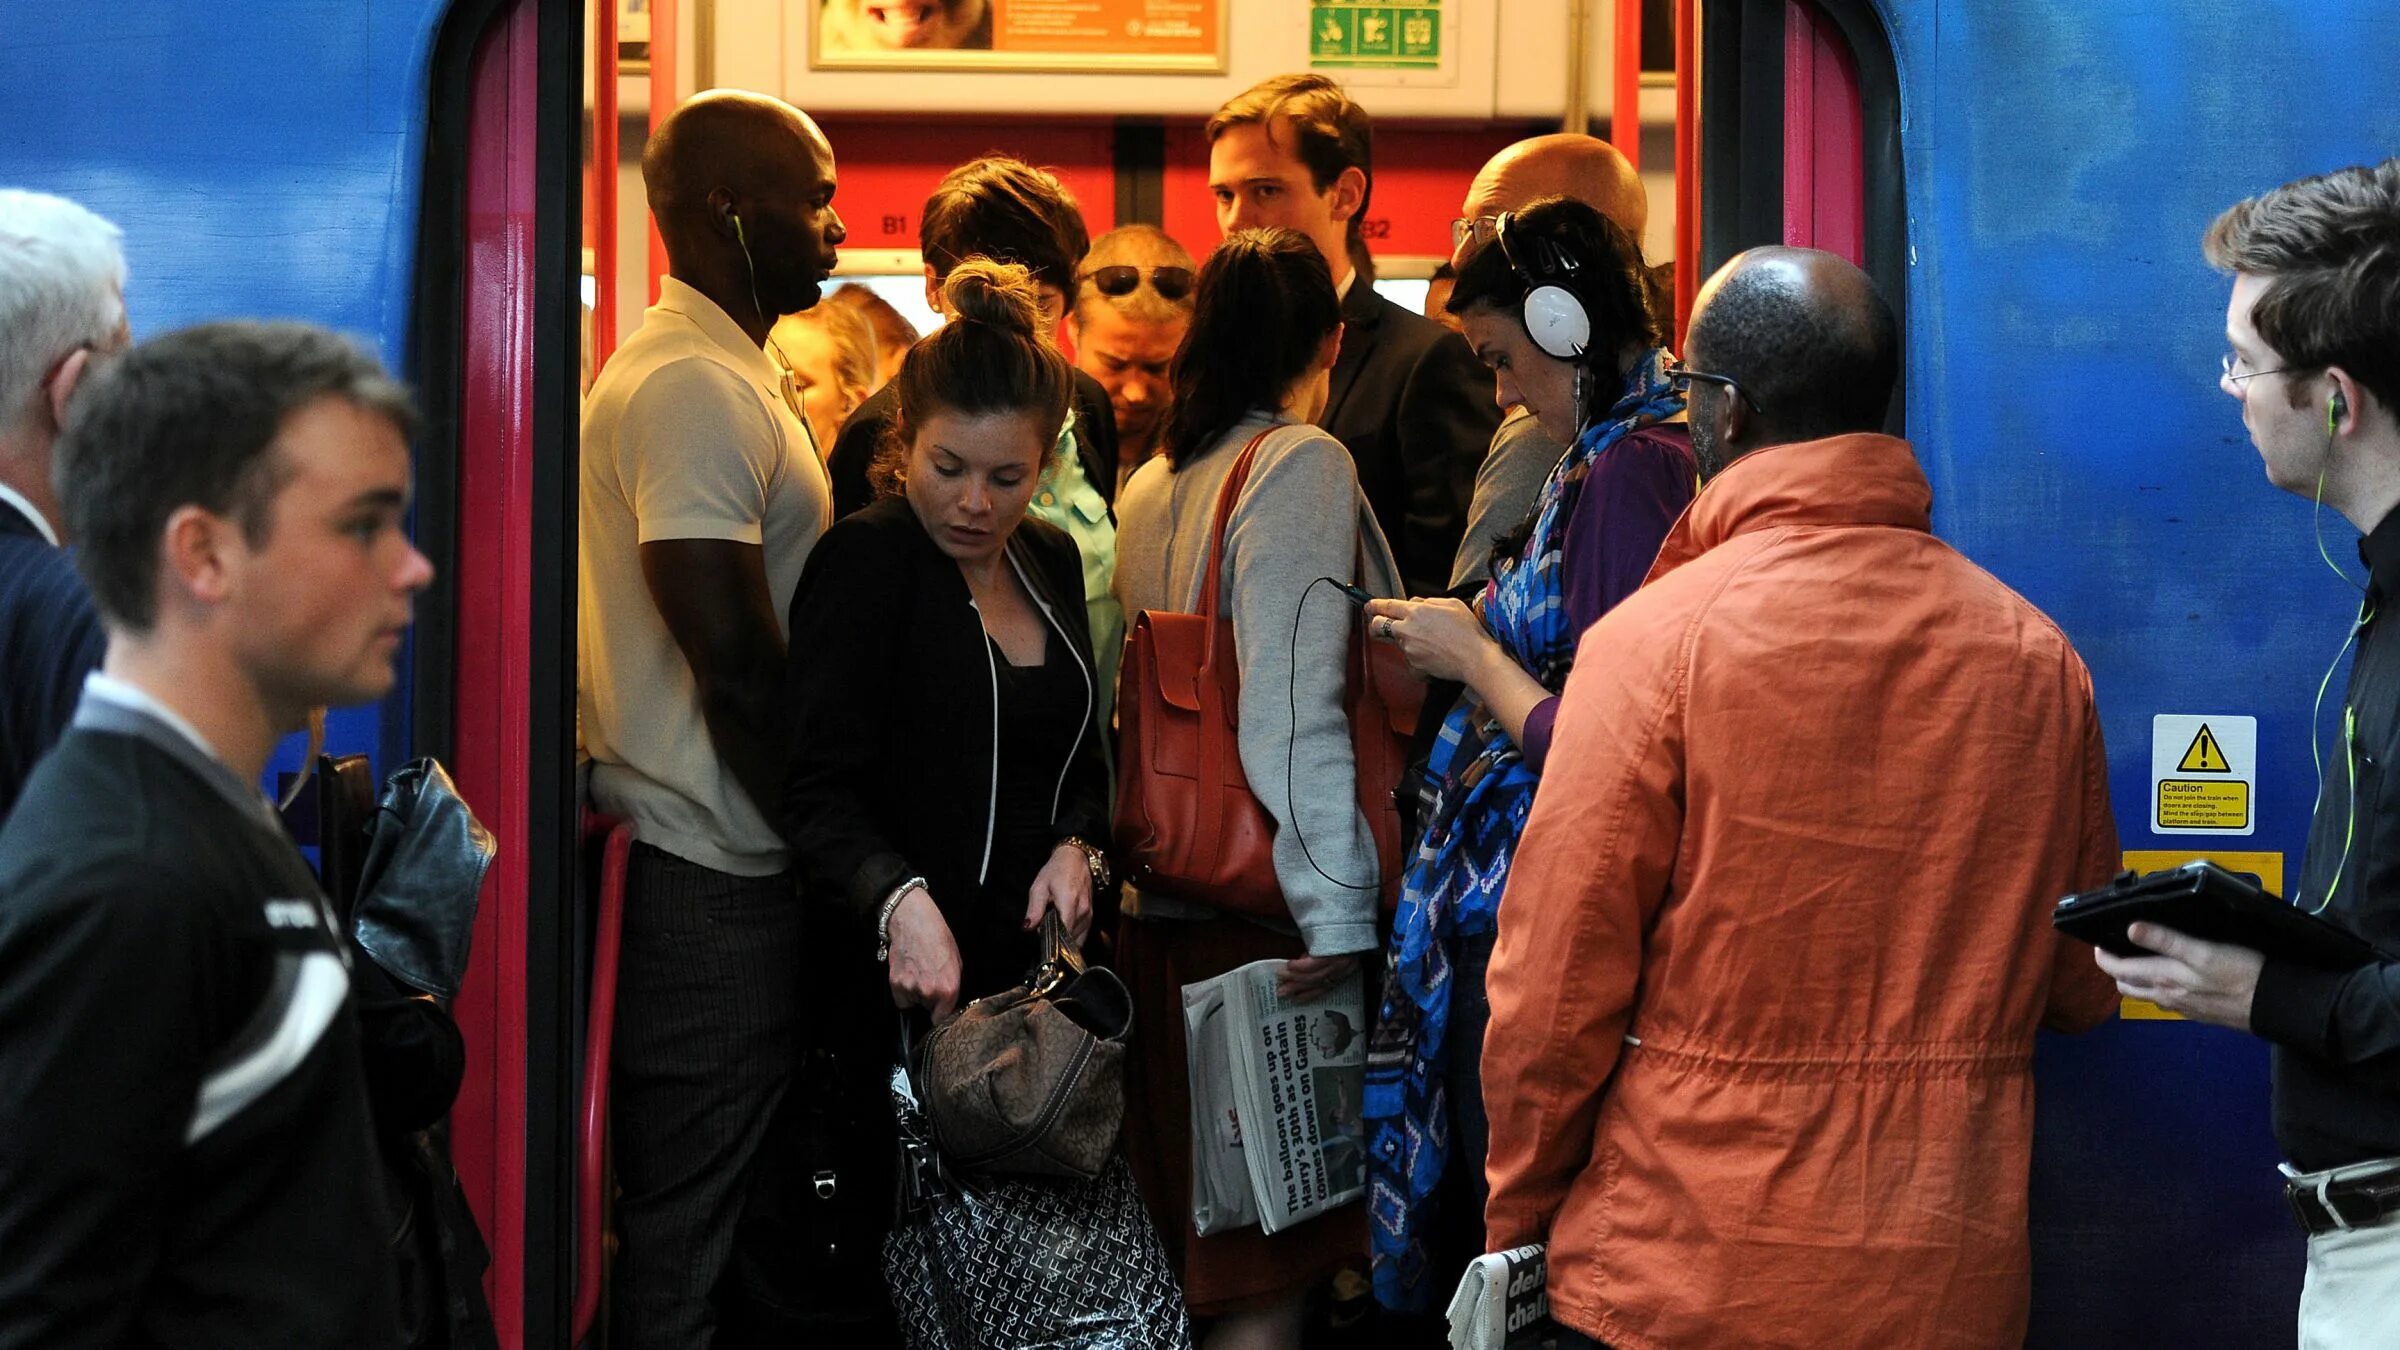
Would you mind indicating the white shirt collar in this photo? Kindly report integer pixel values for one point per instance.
(26, 509)
(677, 297)
(109, 689)
(1342, 292)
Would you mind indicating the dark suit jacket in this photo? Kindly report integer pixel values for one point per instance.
(1414, 406)
(50, 638)
(862, 431)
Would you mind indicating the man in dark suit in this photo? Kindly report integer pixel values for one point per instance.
(1409, 398)
(62, 300)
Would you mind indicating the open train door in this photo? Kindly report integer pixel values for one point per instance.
(495, 357)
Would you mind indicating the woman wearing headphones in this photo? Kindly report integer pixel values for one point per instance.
(1556, 305)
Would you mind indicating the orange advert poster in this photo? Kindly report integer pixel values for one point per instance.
(1094, 35)
(1121, 27)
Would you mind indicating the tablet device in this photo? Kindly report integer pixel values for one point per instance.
(2210, 903)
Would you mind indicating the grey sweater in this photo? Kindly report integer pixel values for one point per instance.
(1301, 516)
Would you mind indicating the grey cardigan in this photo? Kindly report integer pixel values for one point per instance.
(1301, 516)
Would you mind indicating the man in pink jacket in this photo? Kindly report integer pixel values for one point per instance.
(1776, 943)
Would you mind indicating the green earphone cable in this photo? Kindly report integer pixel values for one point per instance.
(2366, 615)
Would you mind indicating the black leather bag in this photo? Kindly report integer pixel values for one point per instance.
(806, 1268)
(421, 879)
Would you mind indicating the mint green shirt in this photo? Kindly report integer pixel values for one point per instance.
(1066, 498)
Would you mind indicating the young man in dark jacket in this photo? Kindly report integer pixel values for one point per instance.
(185, 1150)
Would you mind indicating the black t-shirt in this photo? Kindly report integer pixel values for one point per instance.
(185, 1155)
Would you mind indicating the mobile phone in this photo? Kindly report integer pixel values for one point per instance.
(1357, 596)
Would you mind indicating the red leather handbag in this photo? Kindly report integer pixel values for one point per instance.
(1187, 824)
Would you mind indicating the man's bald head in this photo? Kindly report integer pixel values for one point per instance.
(1807, 337)
(749, 146)
(741, 186)
(1564, 164)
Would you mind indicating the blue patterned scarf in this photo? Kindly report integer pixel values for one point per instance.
(1479, 792)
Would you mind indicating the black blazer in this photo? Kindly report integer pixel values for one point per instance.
(50, 638)
(862, 432)
(892, 688)
(1414, 405)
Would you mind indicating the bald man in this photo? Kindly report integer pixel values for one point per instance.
(701, 496)
(1563, 164)
(1760, 1068)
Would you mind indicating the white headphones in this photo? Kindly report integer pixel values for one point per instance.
(1554, 316)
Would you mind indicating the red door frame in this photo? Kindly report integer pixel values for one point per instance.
(1824, 145)
(493, 586)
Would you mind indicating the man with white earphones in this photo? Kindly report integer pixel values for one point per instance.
(701, 498)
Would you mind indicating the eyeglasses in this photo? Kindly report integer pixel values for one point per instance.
(1481, 229)
(2235, 377)
(1681, 376)
(1171, 283)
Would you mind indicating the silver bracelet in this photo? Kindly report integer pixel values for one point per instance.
(883, 921)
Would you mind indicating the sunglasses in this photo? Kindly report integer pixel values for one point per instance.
(1171, 283)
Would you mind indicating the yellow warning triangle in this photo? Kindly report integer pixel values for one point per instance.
(2205, 756)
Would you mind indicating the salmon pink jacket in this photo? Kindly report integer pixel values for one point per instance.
(1776, 942)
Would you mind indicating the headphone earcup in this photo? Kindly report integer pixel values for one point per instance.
(1556, 322)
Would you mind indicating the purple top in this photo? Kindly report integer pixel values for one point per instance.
(1635, 491)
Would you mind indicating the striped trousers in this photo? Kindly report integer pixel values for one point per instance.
(707, 1019)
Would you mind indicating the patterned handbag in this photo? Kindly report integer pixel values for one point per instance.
(1000, 1264)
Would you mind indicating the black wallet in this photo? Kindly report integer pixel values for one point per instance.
(2210, 903)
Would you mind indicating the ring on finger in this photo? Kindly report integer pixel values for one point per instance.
(1383, 628)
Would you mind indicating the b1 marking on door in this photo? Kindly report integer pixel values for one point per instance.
(2203, 774)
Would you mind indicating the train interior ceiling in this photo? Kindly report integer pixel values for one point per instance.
(457, 183)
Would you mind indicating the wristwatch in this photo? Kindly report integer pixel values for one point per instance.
(1092, 858)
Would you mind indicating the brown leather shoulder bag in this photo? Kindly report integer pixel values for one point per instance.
(1187, 824)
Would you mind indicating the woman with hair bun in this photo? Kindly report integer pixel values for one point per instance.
(1255, 365)
(947, 787)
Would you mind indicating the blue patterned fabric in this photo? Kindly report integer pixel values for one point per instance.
(1477, 794)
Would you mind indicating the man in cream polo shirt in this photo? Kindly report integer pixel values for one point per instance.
(701, 496)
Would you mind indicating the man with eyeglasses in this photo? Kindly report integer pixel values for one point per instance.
(1776, 940)
(2314, 324)
(1133, 301)
(1564, 164)
(701, 498)
(62, 302)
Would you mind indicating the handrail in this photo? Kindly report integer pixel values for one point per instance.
(604, 186)
(665, 49)
(599, 1037)
(1687, 165)
(1625, 97)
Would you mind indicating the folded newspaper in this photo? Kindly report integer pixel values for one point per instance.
(1278, 1097)
(1503, 1301)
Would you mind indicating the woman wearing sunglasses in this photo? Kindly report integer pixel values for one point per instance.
(1556, 305)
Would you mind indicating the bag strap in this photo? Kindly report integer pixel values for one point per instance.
(1212, 587)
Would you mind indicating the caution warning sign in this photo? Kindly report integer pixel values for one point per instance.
(2203, 774)
(2205, 756)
